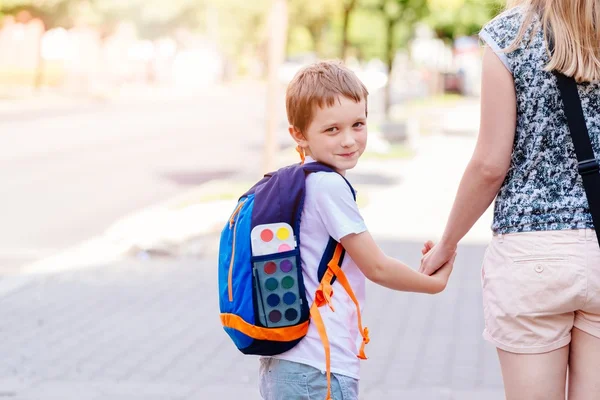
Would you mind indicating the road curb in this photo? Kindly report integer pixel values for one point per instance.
(161, 228)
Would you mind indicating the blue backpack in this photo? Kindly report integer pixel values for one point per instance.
(262, 296)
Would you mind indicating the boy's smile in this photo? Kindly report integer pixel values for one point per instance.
(337, 135)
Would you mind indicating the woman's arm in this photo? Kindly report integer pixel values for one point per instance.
(489, 164)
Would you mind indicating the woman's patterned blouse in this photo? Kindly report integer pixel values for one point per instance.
(543, 190)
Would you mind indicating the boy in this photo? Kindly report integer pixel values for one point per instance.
(327, 112)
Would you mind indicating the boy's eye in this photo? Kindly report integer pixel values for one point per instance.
(332, 129)
(359, 125)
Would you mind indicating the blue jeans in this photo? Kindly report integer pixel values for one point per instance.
(287, 380)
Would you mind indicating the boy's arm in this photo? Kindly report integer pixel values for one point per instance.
(389, 272)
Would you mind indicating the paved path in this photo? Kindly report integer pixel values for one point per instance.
(150, 330)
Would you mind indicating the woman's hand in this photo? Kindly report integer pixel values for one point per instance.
(435, 256)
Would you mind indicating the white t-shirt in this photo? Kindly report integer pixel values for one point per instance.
(330, 210)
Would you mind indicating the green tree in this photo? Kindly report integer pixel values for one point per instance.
(52, 13)
(399, 17)
(236, 26)
(152, 18)
(239, 27)
(315, 18)
(453, 18)
(348, 7)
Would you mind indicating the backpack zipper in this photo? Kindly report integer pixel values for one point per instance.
(232, 222)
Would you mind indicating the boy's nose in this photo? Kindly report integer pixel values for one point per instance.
(348, 139)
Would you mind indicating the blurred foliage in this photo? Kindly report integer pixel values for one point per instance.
(364, 29)
(453, 18)
(153, 18)
(53, 13)
(313, 20)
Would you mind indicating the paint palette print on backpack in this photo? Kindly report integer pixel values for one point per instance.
(276, 270)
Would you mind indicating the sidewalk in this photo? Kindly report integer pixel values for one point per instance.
(97, 323)
(134, 330)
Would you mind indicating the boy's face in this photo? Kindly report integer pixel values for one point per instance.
(337, 135)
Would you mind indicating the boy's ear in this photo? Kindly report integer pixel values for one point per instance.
(298, 136)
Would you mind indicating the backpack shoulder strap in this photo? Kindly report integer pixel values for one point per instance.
(323, 297)
(588, 166)
(330, 270)
(279, 197)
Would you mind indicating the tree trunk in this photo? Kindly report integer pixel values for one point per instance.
(38, 79)
(276, 55)
(345, 42)
(316, 33)
(389, 60)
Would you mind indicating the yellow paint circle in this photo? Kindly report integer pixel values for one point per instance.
(283, 234)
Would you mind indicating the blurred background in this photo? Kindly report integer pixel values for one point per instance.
(128, 129)
(94, 47)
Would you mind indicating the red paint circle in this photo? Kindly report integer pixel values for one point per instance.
(266, 235)
(270, 268)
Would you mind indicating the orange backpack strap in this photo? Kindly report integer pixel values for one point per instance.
(337, 271)
(323, 297)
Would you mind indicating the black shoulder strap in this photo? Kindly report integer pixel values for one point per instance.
(588, 165)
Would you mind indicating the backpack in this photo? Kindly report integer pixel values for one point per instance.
(262, 298)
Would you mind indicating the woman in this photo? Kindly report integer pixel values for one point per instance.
(541, 272)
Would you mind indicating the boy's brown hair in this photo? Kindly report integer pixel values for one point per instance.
(319, 85)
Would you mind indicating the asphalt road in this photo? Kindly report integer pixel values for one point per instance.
(68, 174)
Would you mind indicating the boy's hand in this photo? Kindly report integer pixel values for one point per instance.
(436, 257)
(443, 274)
(428, 245)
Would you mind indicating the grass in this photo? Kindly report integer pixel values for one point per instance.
(220, 192)
(397, 151)
(53, 75)
(233, 192)
(362, 199)
(446, 99)
(426, 110)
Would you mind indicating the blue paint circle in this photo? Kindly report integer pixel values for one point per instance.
(289, 298)
(273, 300)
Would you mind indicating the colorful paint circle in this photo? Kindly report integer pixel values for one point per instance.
(270, 268)
(266, 235)
(284, 247)
(289, 298)
(286, 266)
(271, 284)
(283, 234)
(275, 316)
(287, 282)
(273, 300)
(291, 314)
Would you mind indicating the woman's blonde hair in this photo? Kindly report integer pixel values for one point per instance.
(574, 26)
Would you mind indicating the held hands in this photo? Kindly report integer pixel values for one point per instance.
(437, 261)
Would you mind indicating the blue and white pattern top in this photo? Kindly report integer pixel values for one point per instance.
(542, 190)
